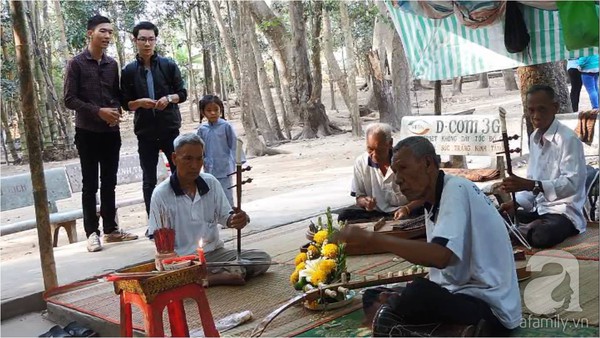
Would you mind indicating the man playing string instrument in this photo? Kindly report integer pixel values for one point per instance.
(472, 278)
(553, 194)
(373, 184)
(195, 205)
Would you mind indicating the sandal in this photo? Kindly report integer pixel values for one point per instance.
(77, 330)
(55, 331)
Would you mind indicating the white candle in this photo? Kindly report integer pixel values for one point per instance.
(238, 152)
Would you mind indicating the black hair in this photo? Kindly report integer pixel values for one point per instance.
(542, 88)
(96, 20)
(144, 25)
(206, 100)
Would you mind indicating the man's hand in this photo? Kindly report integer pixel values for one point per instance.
(508, 207)
(110, 115)
(515, 184)
(401, 213)
(353, 234)
(368, 202)
(237, 220)
(146, 103)
(162, 103)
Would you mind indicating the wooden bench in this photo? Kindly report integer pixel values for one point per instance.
(62, 183)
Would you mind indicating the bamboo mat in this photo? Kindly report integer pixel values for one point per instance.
(583, 246)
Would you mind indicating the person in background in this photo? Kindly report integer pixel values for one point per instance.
(221, 143)
(575, 78)
(91, 89)
(588, 66)
(153, 88)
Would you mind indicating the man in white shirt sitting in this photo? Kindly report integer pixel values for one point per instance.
(373, 182)
(195, 205)
(553, 194)
(472, 279)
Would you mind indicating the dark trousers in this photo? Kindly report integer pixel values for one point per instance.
(575, 78)
(424, 302)
(547, 230)
(98, 149)
(148, 151)
(356, 213)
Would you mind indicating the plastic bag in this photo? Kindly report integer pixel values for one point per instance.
(579, 21)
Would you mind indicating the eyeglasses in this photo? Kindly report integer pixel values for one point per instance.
(144, 40)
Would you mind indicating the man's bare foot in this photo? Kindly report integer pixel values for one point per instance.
(225, 278)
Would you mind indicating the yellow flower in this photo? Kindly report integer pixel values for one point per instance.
(320, 236)
(330, 250)
(318, 276)
(294, 277)
(327, 265)
(300, 258)
(300, 266)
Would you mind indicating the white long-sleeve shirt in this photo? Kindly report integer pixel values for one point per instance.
(559, 163)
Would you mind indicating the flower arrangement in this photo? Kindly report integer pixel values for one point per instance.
(324, 261)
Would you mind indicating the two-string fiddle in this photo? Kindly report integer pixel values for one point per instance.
(238, 190)
(514, 223)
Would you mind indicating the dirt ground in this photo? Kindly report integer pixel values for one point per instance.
(306, 162)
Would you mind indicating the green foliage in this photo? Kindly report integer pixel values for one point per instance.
(76, 15)
(267, 25)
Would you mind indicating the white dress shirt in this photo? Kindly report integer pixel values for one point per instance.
(368, 180)
(482, 265)
(559, 163)
(191, 218)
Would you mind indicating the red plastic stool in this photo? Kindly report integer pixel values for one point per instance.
(173, 300)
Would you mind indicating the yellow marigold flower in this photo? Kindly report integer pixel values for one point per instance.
(330, 250)
(313, 250)
(300, 258)
(294, 277)
(318, 276)
(320, 236)
(327, 265)
(300, 266)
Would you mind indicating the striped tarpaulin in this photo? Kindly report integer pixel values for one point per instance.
(439, 49)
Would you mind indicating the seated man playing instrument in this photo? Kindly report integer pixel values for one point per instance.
(195, 205)
(377, 195)
(472, 278)
(553, 194)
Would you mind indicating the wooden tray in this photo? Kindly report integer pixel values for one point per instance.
(149, 287)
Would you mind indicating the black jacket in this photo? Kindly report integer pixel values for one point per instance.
(149, 123)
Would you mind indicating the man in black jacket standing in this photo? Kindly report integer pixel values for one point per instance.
(152, 87)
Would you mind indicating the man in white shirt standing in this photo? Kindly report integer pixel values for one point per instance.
(472, 279)
(195, 205)
(553, 194)
(373, 186)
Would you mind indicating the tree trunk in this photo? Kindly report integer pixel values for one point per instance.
(332, 90)
(64, 45)
(10, 142)
(227, 43)
(206, 62)
(437, 98)
(382, 89)
(316, 122)
(509, 80)
(278, 38)
(192, 88)
(249, 100)
(551, 74)
(114, 13)
(287, 128)
(334, 68)
(36, 165)
(400, 83)
(457, 83)
(483, 81)
(217, 72)
(351, 75)
(50, 104)
(264, 86)
(22, 139)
